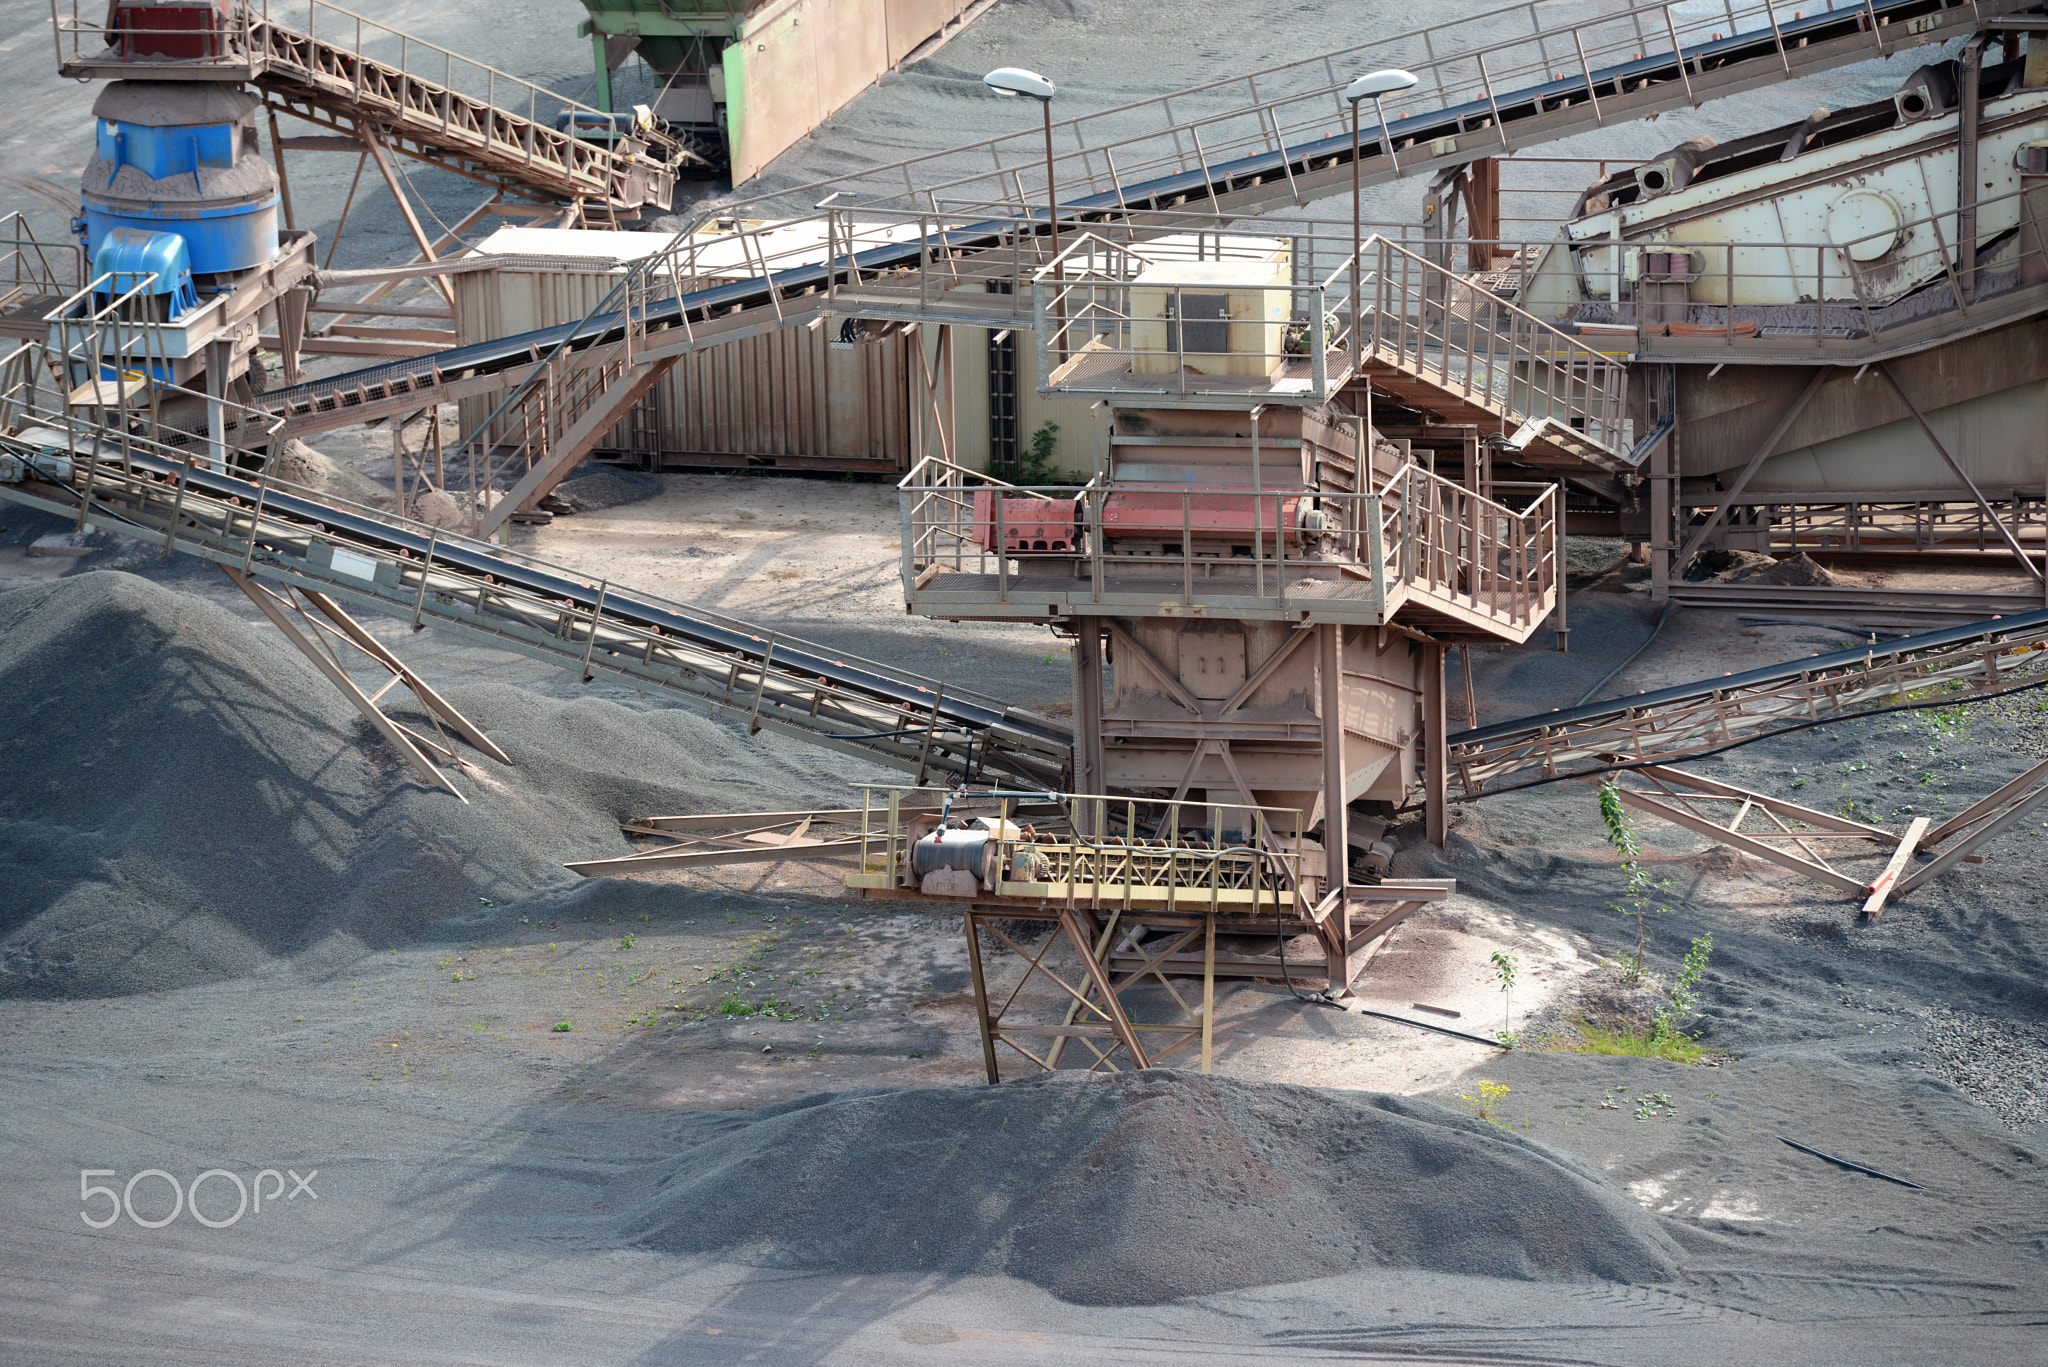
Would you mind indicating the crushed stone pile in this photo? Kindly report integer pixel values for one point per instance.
(1754, 567)
(590, 488)
(1140, 1188)
(184, 799)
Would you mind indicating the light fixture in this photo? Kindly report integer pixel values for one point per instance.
(1374, 86)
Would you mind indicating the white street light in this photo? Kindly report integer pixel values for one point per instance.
(1374, 86)
(1015, 81)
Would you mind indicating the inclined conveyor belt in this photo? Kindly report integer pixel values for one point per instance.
(1504, 111)
(367, 559)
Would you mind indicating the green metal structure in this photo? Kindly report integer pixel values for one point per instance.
(684, 42)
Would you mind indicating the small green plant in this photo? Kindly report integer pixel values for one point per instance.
(563, 1027)
(1628, 1040)
(628, 941)
(1642, 890)
(1036, 466)
(1486, 1105)
(1684, 993)
(1653, 1105)
(1505, 966)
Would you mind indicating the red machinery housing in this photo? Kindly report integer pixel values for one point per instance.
(1027, 524)
(1217, 522)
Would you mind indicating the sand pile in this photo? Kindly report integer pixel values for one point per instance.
(303, 465)
(1142, 1188)
(183, 799)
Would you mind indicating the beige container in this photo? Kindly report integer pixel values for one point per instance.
(1213, 317)
(792, 398)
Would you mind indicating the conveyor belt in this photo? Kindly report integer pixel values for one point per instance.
(1518, 118)
(1491, 84)
(427, 102)
(1950, 665)
(367, 559)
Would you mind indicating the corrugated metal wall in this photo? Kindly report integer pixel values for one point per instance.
(787, 396)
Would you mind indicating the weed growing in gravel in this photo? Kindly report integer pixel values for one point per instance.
(1642, 890)
(563, 1027)
(1486, 1105)
(736, 1005)
(1628, 1039)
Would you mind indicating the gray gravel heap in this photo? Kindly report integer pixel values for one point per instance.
(2002, 1063)
(184, 800)
(1142, 1188)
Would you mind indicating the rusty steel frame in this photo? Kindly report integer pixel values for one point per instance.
(1797, 834)
(1687, 800)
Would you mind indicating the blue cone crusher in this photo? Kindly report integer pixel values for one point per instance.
(178, 188)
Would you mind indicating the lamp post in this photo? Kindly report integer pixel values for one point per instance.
(1375, 86)
(1014, 81)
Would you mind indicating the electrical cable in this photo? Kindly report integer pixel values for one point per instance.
(1669, 603)
(1747, 740)
(1280, 933)
(1425, 1025)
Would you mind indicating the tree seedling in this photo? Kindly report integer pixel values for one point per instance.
(1642, 890)
(1684, 994)
(1505, 965)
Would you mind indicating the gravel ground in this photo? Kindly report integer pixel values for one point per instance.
(2001, 1063)
(488, 1180)
(477, 1167)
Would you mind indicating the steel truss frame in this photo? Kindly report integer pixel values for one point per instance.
(315, 636)
(1797, 838)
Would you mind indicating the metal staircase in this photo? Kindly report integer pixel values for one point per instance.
(1482, 361)
(338, 69)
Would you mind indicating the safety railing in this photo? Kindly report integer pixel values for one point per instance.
(415, 87)
(1432, 324)
(1094, 851)
(1553, 65)
(34, 266)
(118, 357)
(1450, 547)
(1415, 538)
